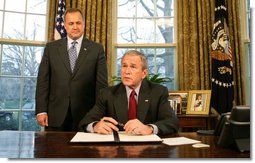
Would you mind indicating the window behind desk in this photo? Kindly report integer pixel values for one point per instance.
(23, 33)
(148, 26)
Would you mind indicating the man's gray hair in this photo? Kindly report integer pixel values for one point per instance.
(137, 53)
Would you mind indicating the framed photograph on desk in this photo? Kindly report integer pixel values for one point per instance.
(178, 101)
(199, 102)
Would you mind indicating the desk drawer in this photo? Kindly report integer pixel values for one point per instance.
(192, 122)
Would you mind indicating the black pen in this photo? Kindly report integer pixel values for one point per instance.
(119, 124)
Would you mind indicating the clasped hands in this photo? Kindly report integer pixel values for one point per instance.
(107, 125)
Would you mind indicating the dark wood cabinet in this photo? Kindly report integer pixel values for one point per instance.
(194, 122)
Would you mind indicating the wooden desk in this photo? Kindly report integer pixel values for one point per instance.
(197, 121)
(24, 144)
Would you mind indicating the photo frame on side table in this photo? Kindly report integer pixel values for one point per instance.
(178, 100)
(199, 102)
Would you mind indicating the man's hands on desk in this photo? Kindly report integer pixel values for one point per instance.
(107, 125)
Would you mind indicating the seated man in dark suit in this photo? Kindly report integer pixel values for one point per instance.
(145, 112)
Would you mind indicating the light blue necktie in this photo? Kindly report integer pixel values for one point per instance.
(72, 55)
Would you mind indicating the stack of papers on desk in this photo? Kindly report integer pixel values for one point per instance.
(82, 137)
(122, 136)
(179, 141)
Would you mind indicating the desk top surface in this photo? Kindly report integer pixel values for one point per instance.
(25, 144)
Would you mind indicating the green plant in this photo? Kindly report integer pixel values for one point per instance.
(154, 78)
(116, 79)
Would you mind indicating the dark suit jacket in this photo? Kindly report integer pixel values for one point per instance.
(153, 107)
(57, 87)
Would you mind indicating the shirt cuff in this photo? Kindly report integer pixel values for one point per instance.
(155, 128)
(41, 113)
(90, 128)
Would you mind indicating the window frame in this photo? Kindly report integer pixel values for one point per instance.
(23, 43)
(246, 48)
(116, 45)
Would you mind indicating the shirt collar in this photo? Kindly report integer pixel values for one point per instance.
(137, 90)
(69, 41)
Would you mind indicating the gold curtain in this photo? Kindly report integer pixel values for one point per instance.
(194, 29)
(98, 25)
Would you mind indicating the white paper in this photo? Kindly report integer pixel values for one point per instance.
(179, 141)
(94, 137)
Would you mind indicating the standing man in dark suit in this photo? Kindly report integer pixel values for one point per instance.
(67, 90)
(153, 111)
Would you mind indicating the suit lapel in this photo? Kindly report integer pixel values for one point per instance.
(121, 104)
(63, 54)
(82, 55)
(143, 101)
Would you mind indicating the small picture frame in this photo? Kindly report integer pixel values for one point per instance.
(178, 101)
(199, 102)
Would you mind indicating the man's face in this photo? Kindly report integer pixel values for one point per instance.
(74, 25)
(131, 71)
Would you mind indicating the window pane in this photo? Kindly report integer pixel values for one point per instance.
(164, 64)
(12, 60)
(15, 5)
(10, 92)
(9, 120)
(29, 105)
(165, 8)
(29, 94)
(167, 68)
(12, 63)
(35, 27)
(126, 8)
(145, 8)
(145, 31)
(165, 30)
(37, 6)
(1, 4)
(29, 122)
(32, 57)
(14, 30)
(126, 31)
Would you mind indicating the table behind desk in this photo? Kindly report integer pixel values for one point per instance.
(25, 144)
